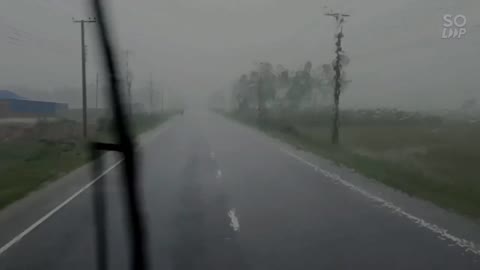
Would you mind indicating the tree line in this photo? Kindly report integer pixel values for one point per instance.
(266, 89)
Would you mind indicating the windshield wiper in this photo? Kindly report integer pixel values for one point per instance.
(125, 146)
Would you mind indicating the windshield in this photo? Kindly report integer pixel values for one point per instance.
(255, 134)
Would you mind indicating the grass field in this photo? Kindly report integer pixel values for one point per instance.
(430, 160)
(26, 165)
(44, 152)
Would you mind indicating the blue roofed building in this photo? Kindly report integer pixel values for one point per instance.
(14, 106)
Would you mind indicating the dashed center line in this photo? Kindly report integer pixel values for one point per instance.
(234, 223)
(212, 155)
(219, 174)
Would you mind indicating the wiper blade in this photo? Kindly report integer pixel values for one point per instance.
(125, 146)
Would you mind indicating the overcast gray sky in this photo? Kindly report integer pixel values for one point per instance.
(398, 57)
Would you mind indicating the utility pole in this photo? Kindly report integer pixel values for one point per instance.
(84, 76)
(162, 97)
(96, 93)
(151, 94)
(260, 101)
(128, 84)
(339, 17)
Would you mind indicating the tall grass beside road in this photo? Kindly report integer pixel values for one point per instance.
(426, 156)
(35, 154)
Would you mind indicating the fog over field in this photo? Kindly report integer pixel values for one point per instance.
(398, 57)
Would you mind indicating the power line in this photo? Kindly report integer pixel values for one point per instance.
(34, 40)
(38, 39)
(50, 6)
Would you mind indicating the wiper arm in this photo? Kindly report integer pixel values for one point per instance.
(125, 146)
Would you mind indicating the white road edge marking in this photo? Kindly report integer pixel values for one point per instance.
(32, 227)
(234, 223)
(442, 233)
(219, 174)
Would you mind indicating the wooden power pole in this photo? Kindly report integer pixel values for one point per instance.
(151, 94)
(84, 76)
(339, 17)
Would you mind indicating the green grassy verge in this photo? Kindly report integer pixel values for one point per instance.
(29, 162)
(436, 164)
(37, 163)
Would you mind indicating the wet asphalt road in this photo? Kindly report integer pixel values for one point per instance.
(217, 195)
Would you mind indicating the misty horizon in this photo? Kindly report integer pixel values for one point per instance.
(398, 58)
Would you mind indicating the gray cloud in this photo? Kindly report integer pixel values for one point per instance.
(197, 46)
